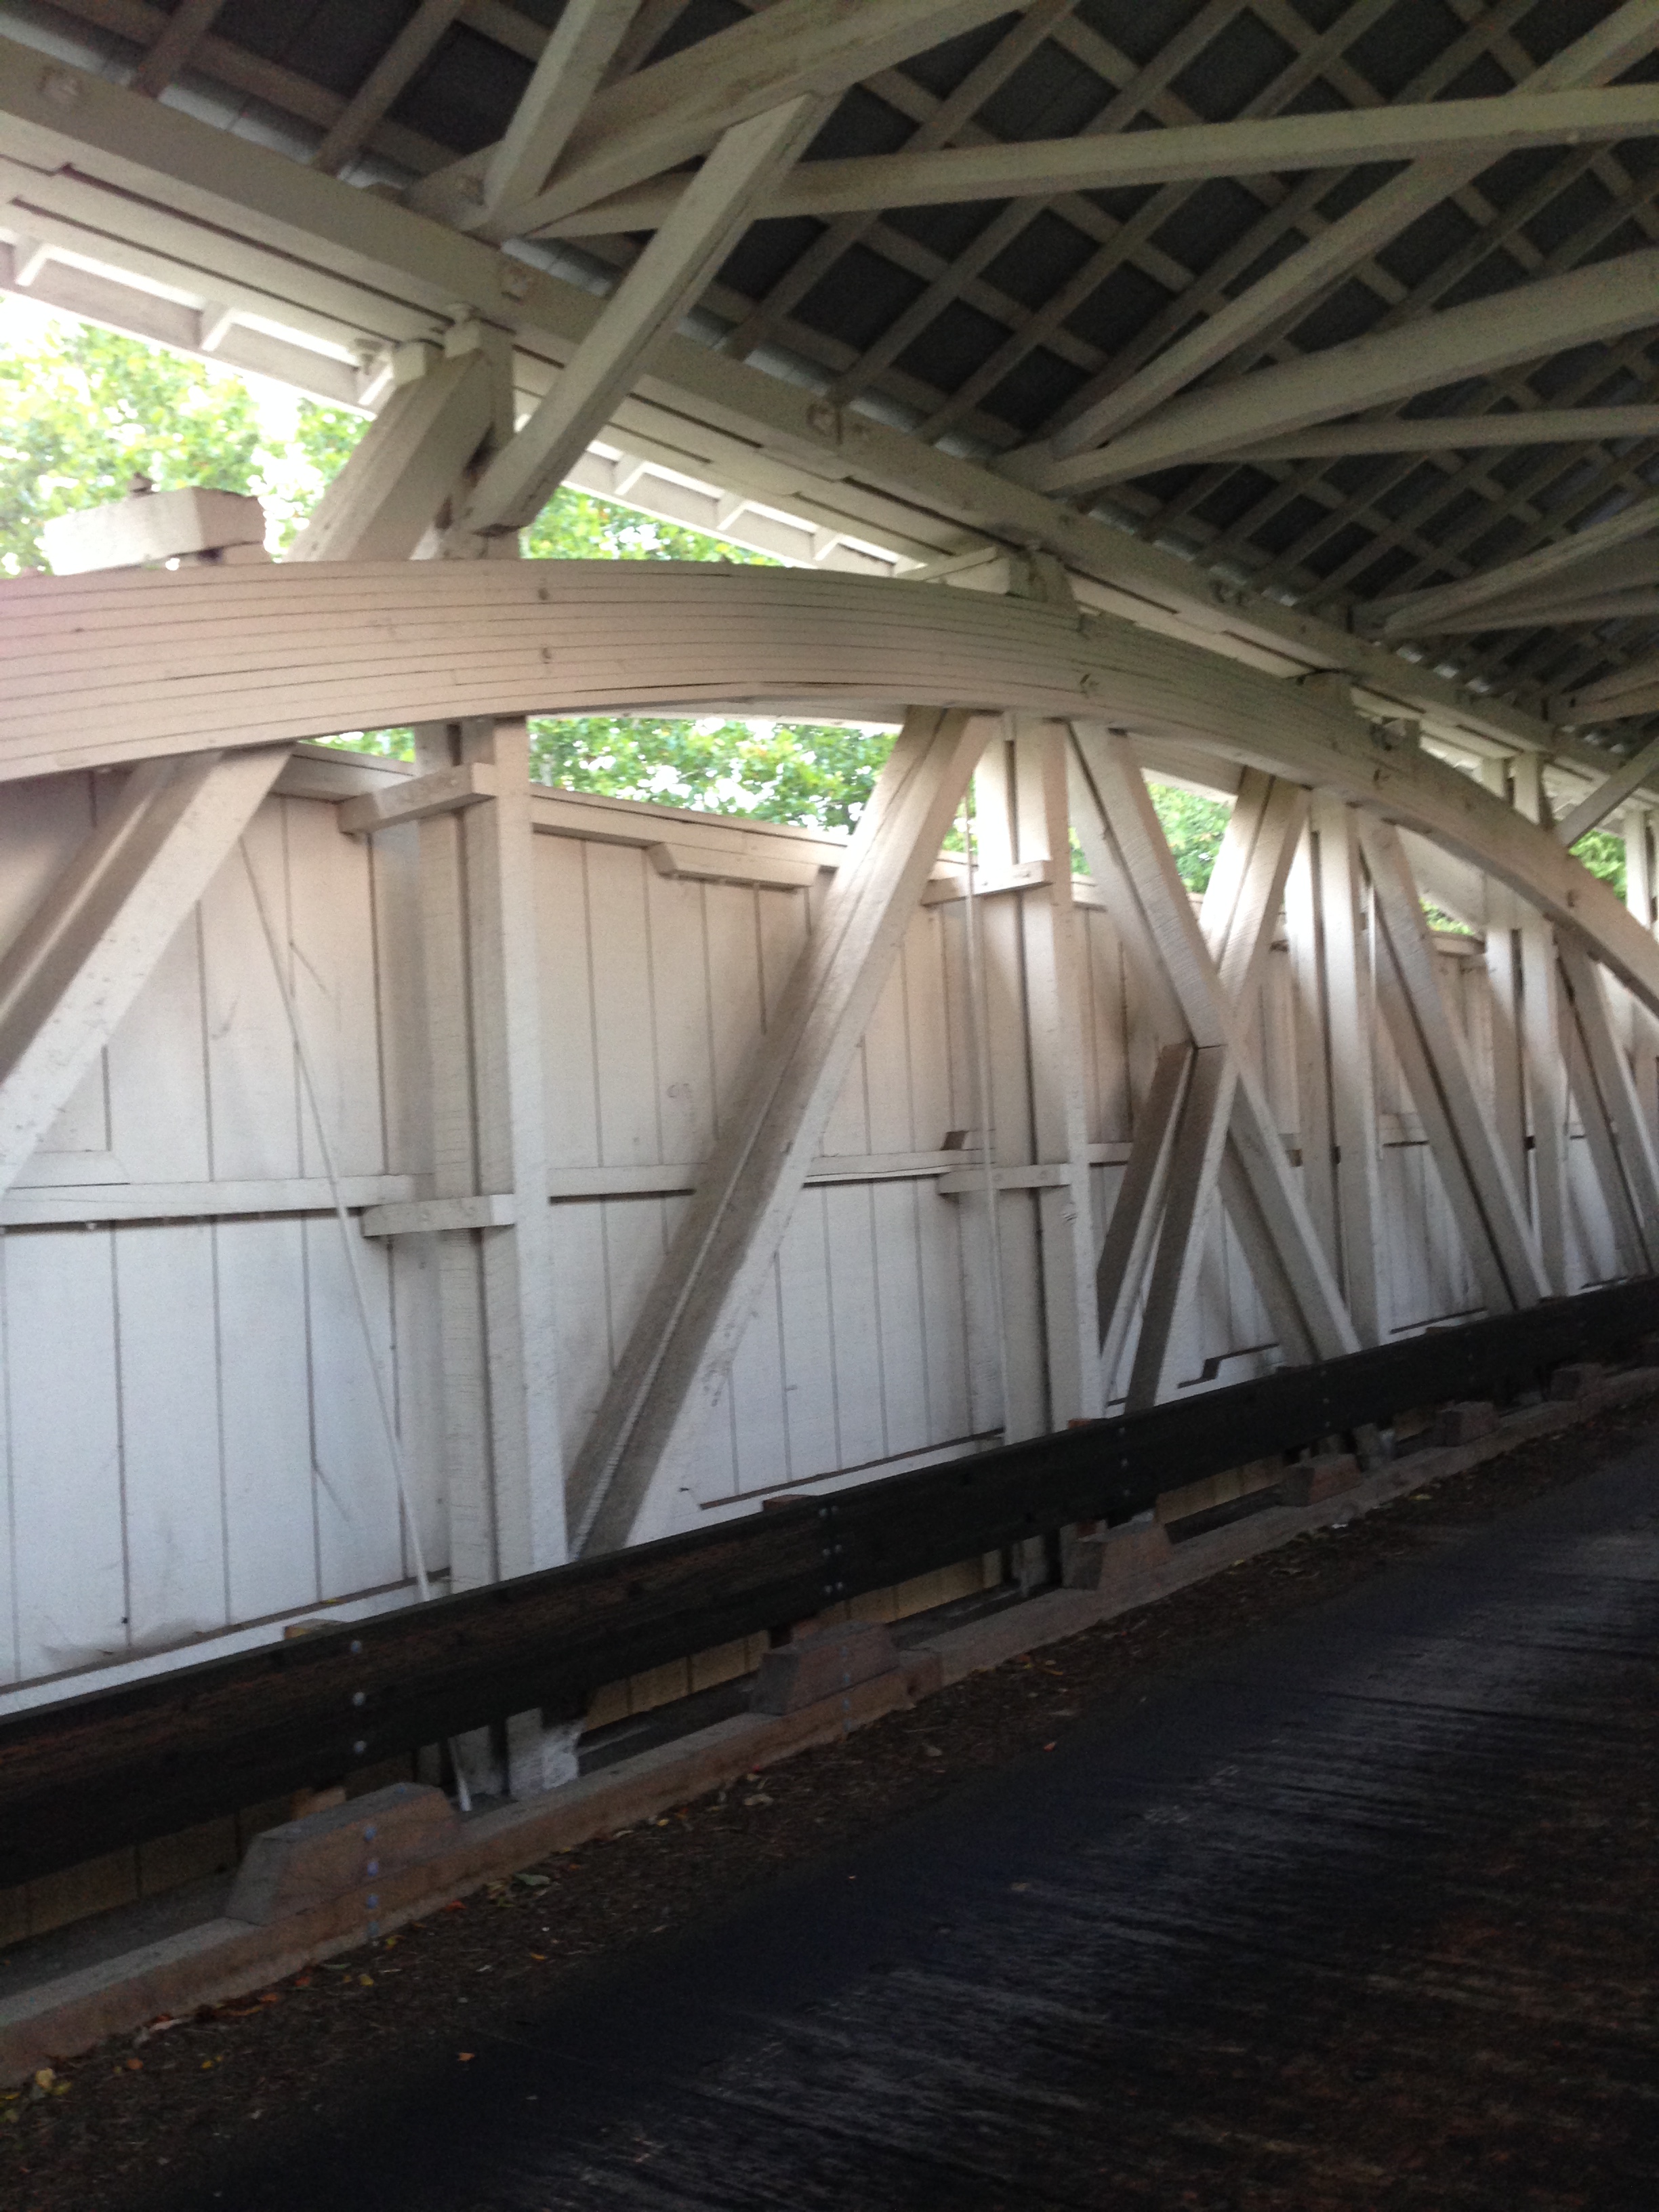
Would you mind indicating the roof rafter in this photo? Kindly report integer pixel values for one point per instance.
(1043, 167)
(585, 40)
(175, 47)
(1525, 323)
(675, 109)
(390, 77)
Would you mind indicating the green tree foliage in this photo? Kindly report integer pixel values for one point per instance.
(1603, 854)
(81, 411)
(1194, 826)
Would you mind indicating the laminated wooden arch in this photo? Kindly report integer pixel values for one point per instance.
(108, 669)
(166, 670)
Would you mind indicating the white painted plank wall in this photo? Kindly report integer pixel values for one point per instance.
(189, 1441)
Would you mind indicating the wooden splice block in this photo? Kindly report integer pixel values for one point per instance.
(1311, 1482)
(156, 525)
(1463, 1423)
(303, 1863)
(822, 1666)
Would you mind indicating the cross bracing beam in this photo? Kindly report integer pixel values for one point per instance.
(1043, 168)
(676, 1362)
(1433, 1051)
(674, 109)
(1238, 921)
(146, 1758)
(662, 283)
(1117, 810)
(128, 182)
(1607, 1094)
(407, 462)
(1608, 795)
(88, 948)
(1525, 323)
(1097, 416)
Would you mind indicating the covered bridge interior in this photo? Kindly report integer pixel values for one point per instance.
(415, 1179)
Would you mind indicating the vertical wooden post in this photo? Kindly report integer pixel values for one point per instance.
(1504, 985)
(1351, 1012)
(505, 1475)
(1050, 934)
(1541, 1042)
(1642, 898)
(1013, 1243)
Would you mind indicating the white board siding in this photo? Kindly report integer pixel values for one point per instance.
(70, 1562)
(190, 1440)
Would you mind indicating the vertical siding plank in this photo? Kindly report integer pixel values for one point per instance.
(680, 992)
(158, 1075)
(629, 1133)
(568, 1018)
(581, 1298)
(173, 1495)
(264, 1412)
(807, 1333)
(732, 941)
(360, 1542)
(66, 1450)
(331, 924)
(758, 1425)
(859, 1436)
(903, 1360)
(254, 1089)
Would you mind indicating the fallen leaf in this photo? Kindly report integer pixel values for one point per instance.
(540, 1957)
(134, 2065)
(44, 2077)
(302, 1981)
(366, 1980)
(464, 2054)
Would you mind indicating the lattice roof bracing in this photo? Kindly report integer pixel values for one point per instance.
(1038, 327)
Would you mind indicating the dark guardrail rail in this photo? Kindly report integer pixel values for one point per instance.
(87, 1774)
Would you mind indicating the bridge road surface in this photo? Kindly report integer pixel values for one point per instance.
(1365, 1913)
